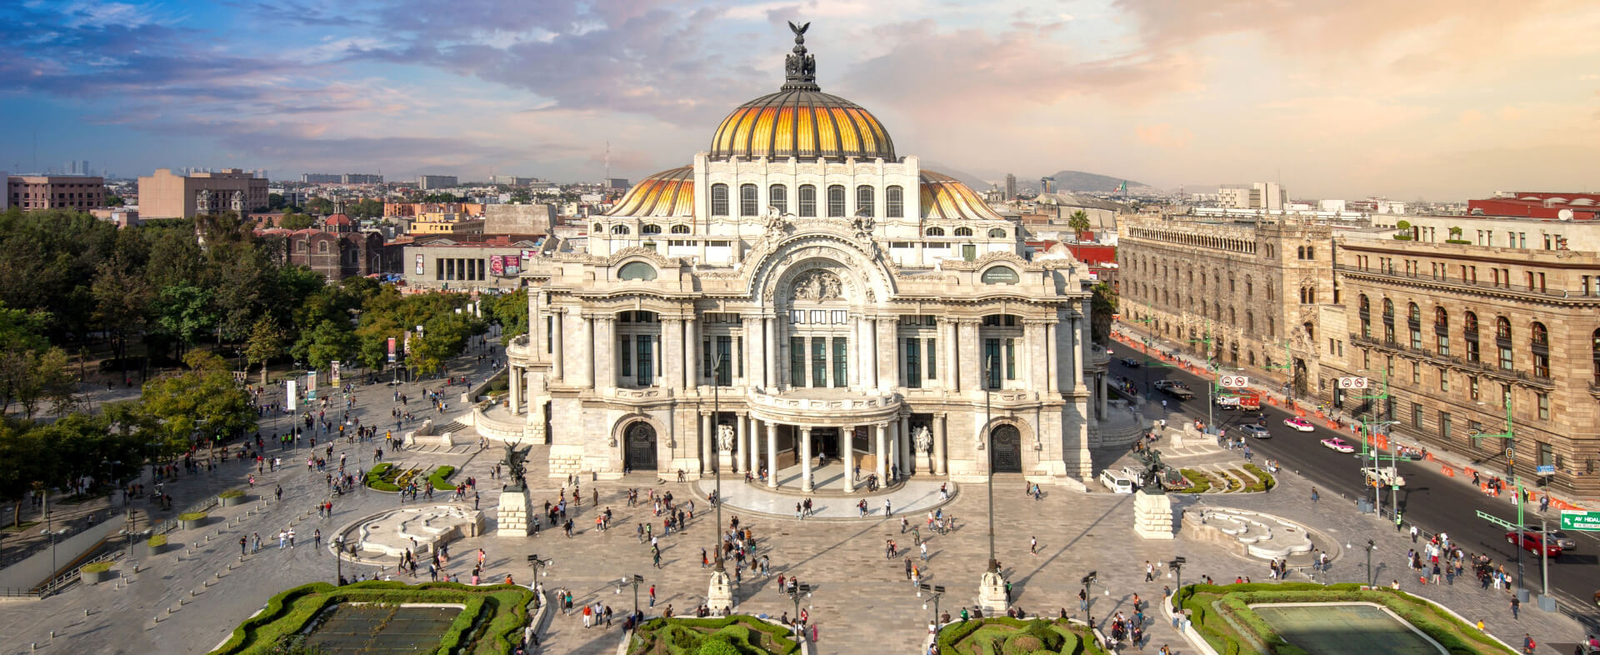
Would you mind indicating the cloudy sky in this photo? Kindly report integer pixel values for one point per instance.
(1442, 99)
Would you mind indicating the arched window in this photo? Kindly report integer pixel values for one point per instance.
(1502, 342)
(1441, 330)
(1232, 319)
(619, 229)
(322, 247)
(836, 201)
(1594, 354)
(597, 229)
(1469, 333)
(1311, 252)
(1541, 350)
(749, 202)
(719, 199)
(637, 271)
(778, 197)
(997, 233)
(865, 201)
(934, 232)
(963, 232)
(896, 201)
(808, 200)
(650, 229)
(1388, 320)
(1249, 288)
(680, 229)
(1414, 325)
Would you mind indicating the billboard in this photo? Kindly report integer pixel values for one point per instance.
(391, 350)
(311, 385)
(497, 265)
(420, 267)
(408, 343)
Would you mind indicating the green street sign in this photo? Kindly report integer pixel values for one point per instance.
(1577, 520)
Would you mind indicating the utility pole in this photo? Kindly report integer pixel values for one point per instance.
(1211, 382)
(1148, 363)
(1367, 450)
(1510, 435)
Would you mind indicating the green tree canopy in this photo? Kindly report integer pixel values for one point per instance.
(201, 403)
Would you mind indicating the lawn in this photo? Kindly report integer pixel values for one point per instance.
(734, 635)
(1007, 636)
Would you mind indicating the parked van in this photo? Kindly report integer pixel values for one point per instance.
(1116, 482)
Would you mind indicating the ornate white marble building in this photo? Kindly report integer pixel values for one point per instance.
(809, 292)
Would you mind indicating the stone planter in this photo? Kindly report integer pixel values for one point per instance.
(230, 501)
(190, 524)
(95, 573)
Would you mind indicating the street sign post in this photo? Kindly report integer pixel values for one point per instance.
(1353, 383)
(1234, 381)
(1548, 469)
(1580, 520)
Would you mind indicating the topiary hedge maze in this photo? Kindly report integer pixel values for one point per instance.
(733, 635)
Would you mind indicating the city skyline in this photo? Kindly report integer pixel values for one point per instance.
(1436, 100)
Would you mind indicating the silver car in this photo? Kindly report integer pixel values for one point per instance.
(1557, 537)
(1256, 431)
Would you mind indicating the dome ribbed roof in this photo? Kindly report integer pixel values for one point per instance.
(802, 123)
(664, 195)
(947, 197)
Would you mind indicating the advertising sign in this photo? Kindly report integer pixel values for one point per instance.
(391, 350)
(311, 385)
(334, 375)
(497, 265)
(408, 343)
(294, 390)
(420, 267)
(513, 266)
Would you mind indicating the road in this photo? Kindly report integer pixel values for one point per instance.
(1430, 499)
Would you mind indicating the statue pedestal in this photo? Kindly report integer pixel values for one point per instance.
(514, 513)
(1152, 515)
(719, 598)
(725, 462)
(924, 463)
(992, 594)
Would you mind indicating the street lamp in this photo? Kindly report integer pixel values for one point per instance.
(338, 558)
(634, 580)
(937, 592)
(1510, 435)
(720, 589)
(799, 590)
(1088, 597)
(1177, 569)
(1370, 546)
(537, 563)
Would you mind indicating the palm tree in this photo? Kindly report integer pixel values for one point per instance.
(1079, 222)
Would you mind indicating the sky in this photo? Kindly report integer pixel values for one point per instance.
(1436, 99)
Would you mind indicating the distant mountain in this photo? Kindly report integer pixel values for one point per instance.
(1081, 181)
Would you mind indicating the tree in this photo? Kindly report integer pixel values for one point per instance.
(275, 201)
(31, 377)
(183, 313)
(329, 342)
(319, 206)
(365, 208)
(1102, 306)
(1079, 222)
(122, 296)
(26, 463)
(115, 201)
(293, 221)
(203, 402)
(266, 342)
(511, 312)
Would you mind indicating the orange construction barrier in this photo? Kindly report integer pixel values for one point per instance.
(1469, 471)
(1271, 400)
(1299, 412)
(1319, 414)
(1448, 470)
(1428, 457)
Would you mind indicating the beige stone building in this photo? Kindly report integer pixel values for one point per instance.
(1459, 330)
(1256, 290)
(168, 195)
(802, 294)
(79, 192)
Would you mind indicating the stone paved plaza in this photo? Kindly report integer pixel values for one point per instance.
(187, 600)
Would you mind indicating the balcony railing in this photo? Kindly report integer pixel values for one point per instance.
(1545, 291)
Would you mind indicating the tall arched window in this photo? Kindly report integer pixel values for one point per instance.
(749, 203)
(1249, 288)
(1232, 318)
(778, 197)
(1441, 330)
(865, 201)
(1388, 321)
(808, 201)
(719, 199)
(1502, 342)
(836, 201)
(896, 201)
(1414, 325)
(1469, 335)
(1541, 350)
(997, 233)
(1249, 321)
(619, 229)
(1594, 354)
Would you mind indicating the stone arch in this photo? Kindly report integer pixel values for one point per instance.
(621, 431)
(865, 281)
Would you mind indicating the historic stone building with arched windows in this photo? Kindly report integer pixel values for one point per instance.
(804, 294)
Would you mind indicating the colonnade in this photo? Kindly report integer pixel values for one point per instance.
(888, 441)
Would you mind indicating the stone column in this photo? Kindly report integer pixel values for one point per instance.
(771, 353)
(672, 352)
(847, 456)
(557, 345)
(755, 446)
(952, 358)
(514, 375)
(970, 353)
(707, 430)
(869, 359)
(691, 354)
(586, 362)
(886, 346)
(902, 442)
(605, 339)
(1077, 353)
(1102, 393)
(755, 349)
(741, 448)
(772, 455)
(883, 452)
(805, 459)
(938, 443)
(1052, 349)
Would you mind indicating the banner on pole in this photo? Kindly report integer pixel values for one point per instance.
(311, 385)
(294, 390)
(391, 350)
(333, 376)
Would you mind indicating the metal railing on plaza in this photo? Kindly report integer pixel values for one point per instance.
(172, 524)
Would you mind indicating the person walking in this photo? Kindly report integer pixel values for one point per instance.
(1516, 607)
(652, 595)
(1314, 497)
(1033, 546)
(1149, 571)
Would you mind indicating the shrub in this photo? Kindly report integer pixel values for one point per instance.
(437, 480)
(379, 477)
(97, 567)
(157, 541)
(1263, 481)
(231, 493)
(192, 516)
(1199, 482)
(1463, 242)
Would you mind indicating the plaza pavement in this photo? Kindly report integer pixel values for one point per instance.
(862, 601)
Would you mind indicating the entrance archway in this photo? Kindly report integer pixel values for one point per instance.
(1005, 451)
(1300, 383)
(639, 447)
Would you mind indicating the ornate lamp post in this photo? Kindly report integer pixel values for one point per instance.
(720, 596)
(937, 591)
(537, 563)
(800, 590)
(1088, 596)
(991, 587)
(634, 580)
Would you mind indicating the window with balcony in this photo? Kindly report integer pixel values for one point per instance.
(1365, 312)
(1541, 350)
(1594, 354)
(1441, 331)
(1502, 342)
(1469, 333)
(1388, 321)
(1414, 325)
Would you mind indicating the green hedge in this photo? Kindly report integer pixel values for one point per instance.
(1200, 481)
(231, 493)
(1263, 481)
(679, 635)
(437, 479)
(378, 477)
(97, 567)
(1062, 637)
(192, 516)
(157, 541)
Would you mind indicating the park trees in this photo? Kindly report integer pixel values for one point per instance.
(511, 312)
(202, 402)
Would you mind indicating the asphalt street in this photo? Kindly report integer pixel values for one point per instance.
(1430, 499)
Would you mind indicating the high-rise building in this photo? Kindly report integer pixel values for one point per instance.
(320, 178)
(1047, 184)
(432, 182)
(80, 192)
(166, 195)
(361, 178)
(1261, 195)
(512, 180)
(1011, 186)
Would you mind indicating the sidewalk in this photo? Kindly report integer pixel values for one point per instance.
(1454, 461)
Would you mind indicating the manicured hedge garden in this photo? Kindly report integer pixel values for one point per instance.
(733, 635)
(381, 477)
(437, 479)
(1234, 600)
(1008, 636)
(491, 624)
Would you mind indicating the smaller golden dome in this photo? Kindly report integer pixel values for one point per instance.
(667, 194)
(945, 197)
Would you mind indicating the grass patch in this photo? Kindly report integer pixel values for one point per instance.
(97, 567)
(1199, 483)
(381, 477)
(438, 477)
(1204, 603)
(192, 516)
(231, 493)
(157, 541)
(1264, 480)
(1005, 636)
(737, 634)
(19, 528)
(499, 610)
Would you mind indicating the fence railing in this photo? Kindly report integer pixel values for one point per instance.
(172, 524)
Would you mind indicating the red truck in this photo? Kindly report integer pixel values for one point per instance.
(1249, 401)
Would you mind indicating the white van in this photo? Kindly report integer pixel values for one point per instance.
(1116, 482)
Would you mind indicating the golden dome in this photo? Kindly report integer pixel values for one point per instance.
(667, 194)
(947, 197)
(801, 121)
(804, 124)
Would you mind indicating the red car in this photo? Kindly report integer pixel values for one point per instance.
(1532, 541)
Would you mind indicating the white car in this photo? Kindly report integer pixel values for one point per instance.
(1300, 424)
(1339, 445)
